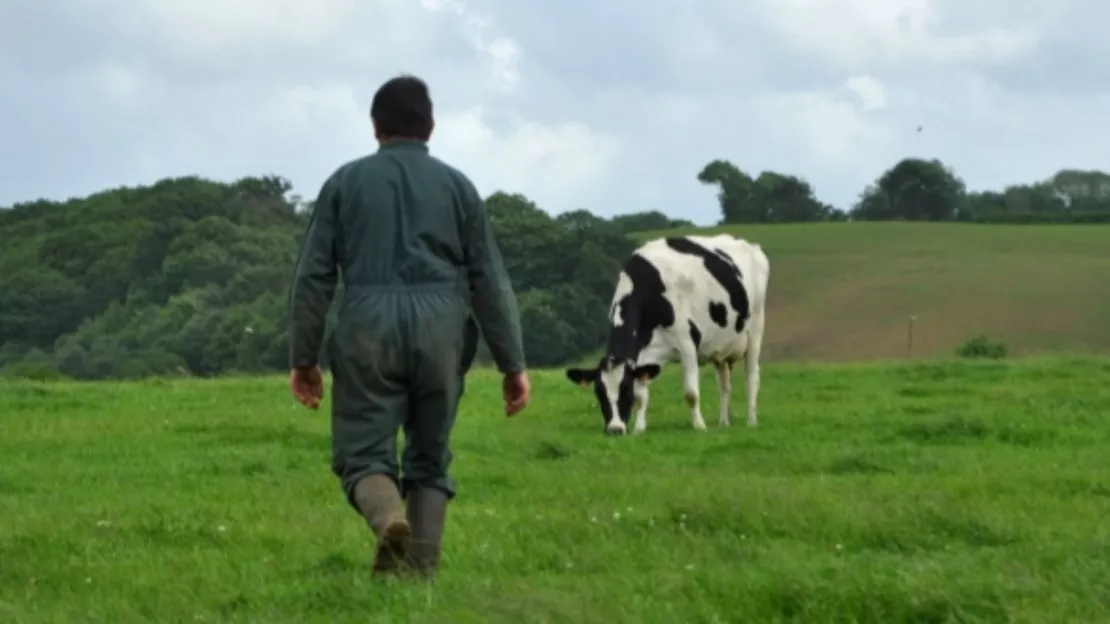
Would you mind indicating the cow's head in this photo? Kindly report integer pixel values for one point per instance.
(615, 383)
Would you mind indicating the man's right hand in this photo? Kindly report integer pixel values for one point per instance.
(518, 391)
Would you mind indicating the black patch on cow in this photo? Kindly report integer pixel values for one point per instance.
(718, 313)
(695, 335)
(641, 311)
(723, 269)
(582, 376)
(647, 372)
(625, 393)
(724, 256)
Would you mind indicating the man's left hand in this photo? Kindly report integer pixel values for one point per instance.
(307, 385)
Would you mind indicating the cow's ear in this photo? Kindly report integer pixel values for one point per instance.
(581, 376)
(647, 372)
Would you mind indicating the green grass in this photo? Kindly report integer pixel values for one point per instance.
(885, 493)
(845, 291)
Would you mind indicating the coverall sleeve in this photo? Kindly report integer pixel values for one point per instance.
(314, 279)
(494, 301)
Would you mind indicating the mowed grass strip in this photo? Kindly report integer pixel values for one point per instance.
(927, 492)
(845, 291)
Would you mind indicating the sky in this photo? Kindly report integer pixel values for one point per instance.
(610, 106)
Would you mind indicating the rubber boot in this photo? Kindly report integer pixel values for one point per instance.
(427, 513)
(380, 502)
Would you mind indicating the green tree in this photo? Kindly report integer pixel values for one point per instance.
(1069, 196)
(735, 191)
(189, 275)
(913, 190)
(577, 220)
(771, 197)
(647, 221)
(38, 304)
(785, 198)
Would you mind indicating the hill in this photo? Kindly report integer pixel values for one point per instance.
(931, 492)
(185, 274)
(190, 276)
(845, 291)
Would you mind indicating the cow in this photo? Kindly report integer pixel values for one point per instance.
(694, 299)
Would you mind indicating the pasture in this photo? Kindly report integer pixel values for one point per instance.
(924, 492)
(845, 291)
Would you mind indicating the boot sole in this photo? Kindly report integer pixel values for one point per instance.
(393, 546)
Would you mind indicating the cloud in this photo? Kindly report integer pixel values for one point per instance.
(853, 34)
(610, 106)
(825, 128)
(532, 158)
(284, 86)
(500, 51)
(869, 90)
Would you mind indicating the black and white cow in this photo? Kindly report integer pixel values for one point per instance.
(694, 299)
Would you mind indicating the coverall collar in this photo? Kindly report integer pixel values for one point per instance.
(403, 144)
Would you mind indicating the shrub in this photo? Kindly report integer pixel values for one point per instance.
(982, 347)
(33, 371)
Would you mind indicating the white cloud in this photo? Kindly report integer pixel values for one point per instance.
(610, 106)
(535, 159)
(501, 52)
(869, 91)
(328, 123)
(284, 86)
(121, 85)
(211, 26)
(823, 129)
(860, 33)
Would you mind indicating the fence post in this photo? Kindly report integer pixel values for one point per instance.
(909, 337)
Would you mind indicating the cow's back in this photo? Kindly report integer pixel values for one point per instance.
(685, 274)
(749, 258)
(704, 304)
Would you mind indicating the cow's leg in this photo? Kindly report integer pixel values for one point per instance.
(724, 385)
(751, 361)
(640, 390)
(689, 358)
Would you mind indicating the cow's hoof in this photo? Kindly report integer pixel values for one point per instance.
(724, 423)
(700, 426)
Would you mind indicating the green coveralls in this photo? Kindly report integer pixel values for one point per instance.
(419, 263)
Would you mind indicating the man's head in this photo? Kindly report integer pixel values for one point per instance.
(402, 109)
(615, 386)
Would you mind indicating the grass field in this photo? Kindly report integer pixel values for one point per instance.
(845, 291)
(932, 492)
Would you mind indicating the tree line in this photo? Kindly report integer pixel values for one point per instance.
(189, 276)
(912, 190)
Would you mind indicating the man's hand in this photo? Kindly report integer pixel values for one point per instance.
(307, 386)
(518, 391)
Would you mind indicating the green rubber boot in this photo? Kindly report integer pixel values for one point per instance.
(427, 514)
(380, 502)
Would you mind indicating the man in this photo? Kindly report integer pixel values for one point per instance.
(409, 236)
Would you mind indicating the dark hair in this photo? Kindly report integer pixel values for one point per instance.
(402, 108)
